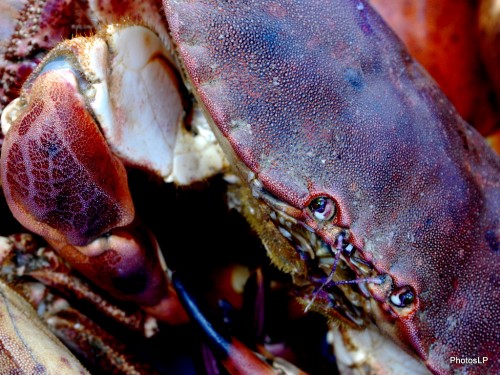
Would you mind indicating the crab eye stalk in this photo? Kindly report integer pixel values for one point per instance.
(402, 297)
(323, 208)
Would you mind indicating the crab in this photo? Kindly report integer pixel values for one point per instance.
(33, 271)
(361, 179)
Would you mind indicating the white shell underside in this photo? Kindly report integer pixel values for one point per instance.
(141, 113)
(367, 351)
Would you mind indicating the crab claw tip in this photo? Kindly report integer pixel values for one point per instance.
(233, 354)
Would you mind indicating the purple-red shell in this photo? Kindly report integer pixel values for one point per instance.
(59, 176)
(319, 98)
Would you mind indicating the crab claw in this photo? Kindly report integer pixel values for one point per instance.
(59, 176)
(233, 354)
(63, 182)
(126, 262)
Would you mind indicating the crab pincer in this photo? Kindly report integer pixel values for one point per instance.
(63, 181)
(234, 355)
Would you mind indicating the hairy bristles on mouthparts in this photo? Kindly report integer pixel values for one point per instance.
(336, 273)
(329, 280)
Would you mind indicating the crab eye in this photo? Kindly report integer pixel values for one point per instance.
(402, 297)
(323, 208)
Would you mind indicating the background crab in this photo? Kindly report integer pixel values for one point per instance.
(29, 35)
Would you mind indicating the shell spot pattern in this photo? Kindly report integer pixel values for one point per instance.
(57, 169)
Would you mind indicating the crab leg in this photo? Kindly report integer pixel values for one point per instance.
(234, 355)
(27, 344)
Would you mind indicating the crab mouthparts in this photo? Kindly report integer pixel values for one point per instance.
(334, 277)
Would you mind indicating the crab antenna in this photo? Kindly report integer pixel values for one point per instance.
(340, 240)
(373, 280)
